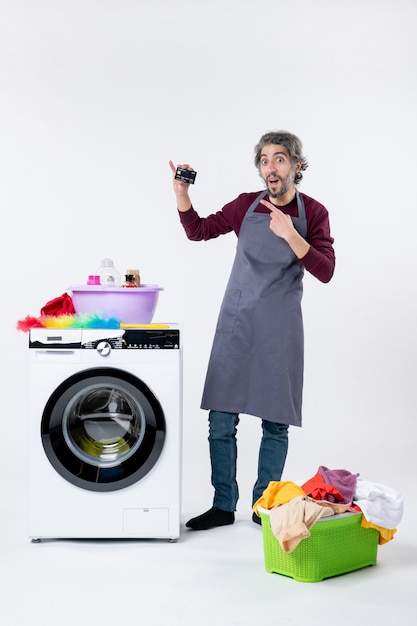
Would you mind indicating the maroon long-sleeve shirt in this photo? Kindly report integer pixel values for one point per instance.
(319, 260)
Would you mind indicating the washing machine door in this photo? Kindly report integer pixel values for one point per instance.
(103, 429)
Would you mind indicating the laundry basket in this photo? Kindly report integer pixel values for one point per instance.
(336, 545)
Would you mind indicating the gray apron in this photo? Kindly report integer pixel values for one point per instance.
(257, 359)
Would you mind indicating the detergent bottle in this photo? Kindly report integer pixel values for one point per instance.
(109, 275)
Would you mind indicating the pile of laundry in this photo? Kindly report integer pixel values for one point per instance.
(293, 508)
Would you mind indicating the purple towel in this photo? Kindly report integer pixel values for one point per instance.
(343, 480)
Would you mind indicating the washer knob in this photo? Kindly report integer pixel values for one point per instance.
(104, 348)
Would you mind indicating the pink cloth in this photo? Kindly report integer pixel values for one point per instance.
(342, 479)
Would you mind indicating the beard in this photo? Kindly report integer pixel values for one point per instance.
(286, 184)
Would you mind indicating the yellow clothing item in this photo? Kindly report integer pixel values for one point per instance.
(278, 492)
(385, 534)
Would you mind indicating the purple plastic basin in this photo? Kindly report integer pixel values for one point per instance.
(128, 305)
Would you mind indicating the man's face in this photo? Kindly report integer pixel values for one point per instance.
(277, 170)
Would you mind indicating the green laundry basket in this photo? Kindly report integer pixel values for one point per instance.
(336, 545)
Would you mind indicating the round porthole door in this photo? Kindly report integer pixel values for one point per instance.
(103, 429)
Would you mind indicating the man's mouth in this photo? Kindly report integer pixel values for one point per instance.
(274, 180)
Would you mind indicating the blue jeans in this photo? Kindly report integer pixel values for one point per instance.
(223, 455)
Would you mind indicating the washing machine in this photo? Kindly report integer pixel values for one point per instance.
(105, 432)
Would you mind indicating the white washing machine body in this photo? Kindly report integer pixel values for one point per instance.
(105, 433)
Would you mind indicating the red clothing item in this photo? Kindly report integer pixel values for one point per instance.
(319, 260)
(59, 306)
(317, 489)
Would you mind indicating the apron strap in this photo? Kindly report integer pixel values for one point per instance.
(257, 201)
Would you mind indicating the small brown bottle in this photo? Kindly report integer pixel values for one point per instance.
(136, 276)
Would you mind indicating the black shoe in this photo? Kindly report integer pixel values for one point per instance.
(256, 518)
(211, 519)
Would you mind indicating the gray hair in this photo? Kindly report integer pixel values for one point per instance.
(291, 142)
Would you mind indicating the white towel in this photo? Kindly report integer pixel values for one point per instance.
(380, 504)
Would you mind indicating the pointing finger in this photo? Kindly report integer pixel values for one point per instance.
(270, 206)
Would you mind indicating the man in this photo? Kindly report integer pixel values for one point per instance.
(256, 363)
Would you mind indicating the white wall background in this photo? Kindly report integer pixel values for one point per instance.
(97, 95)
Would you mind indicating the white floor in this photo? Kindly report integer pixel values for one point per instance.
(214, 577)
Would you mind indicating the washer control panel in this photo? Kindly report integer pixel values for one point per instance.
(104, 340)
